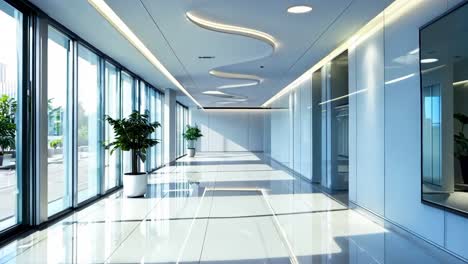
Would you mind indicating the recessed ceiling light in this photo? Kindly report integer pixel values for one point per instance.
(430, 60)
(299, 9)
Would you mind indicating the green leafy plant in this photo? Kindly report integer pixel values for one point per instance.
(56, 143)
(133, 134)
(192, 134)
(461, 148)
(7, 123)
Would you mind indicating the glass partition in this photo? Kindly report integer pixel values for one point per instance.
(88, 124)
(112, 94)
(127, 108)
(444, 113)
(59, 58)
(11, 26)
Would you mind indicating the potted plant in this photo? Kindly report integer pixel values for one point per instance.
(461, 146)
(54, 144)
(191, 135)
(133, 134)
(7, 125)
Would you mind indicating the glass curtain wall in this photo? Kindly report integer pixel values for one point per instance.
(59, 58)
(112, 170)
(128, 105)
(88, 124)
(11, 28)
(155, 113)
(181, 123)
(144, 109)
(82, 87)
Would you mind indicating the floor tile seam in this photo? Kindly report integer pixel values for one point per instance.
(133, 230)
(207, 223)
(282, 234)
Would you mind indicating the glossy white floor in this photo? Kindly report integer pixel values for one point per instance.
(221, 208)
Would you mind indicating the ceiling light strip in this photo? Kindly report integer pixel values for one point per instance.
(240, 85)
(239, 76)
(461, 82)
(392, 13)
(116, 22)
(211, 25)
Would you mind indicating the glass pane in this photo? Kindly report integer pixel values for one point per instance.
(10, 86)
(111, 162)
(58, 165)
(444, 91)
(127, 108)
(159, 114)
(88, 123)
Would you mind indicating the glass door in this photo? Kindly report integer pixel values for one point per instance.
(11, 80)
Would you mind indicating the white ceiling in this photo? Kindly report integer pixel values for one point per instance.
(177, 42)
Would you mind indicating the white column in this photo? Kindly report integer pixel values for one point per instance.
(169, 125)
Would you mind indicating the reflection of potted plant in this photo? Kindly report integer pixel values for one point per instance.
(7, 125)
(132, 134)
(461, 148)
(191, 135)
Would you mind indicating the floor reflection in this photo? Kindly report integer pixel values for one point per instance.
(216, 209)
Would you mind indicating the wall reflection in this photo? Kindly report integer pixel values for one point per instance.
(444, 91)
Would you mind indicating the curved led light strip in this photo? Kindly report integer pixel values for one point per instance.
(239, 76)
(117, 23)
(211, 25)
(230, 86)
(225, 95)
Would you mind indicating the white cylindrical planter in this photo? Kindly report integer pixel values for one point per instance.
(191, 152)
(135, 184)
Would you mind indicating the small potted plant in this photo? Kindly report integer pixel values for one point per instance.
(7, 137)
(133, 134)
(54, 144)
(461, 146)
(191, 135)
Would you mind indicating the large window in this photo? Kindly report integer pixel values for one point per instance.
(155, 112)
(444, 113)
(112, 94)
(58, 113)
(11, 27)
(128, 105)
(52, 155)
(181, 123)
(88, 125)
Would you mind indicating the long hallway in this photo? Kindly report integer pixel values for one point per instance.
(221, 208)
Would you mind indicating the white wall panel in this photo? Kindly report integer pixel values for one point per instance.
(402, 125)
(369, 69)
(280, 130)
(256, 131)
(352, 127)
(306, 128)
(229, 131)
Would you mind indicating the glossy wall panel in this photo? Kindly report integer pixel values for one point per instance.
(369, 70)
(281, 130)
(402, 124)
(229, 130)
